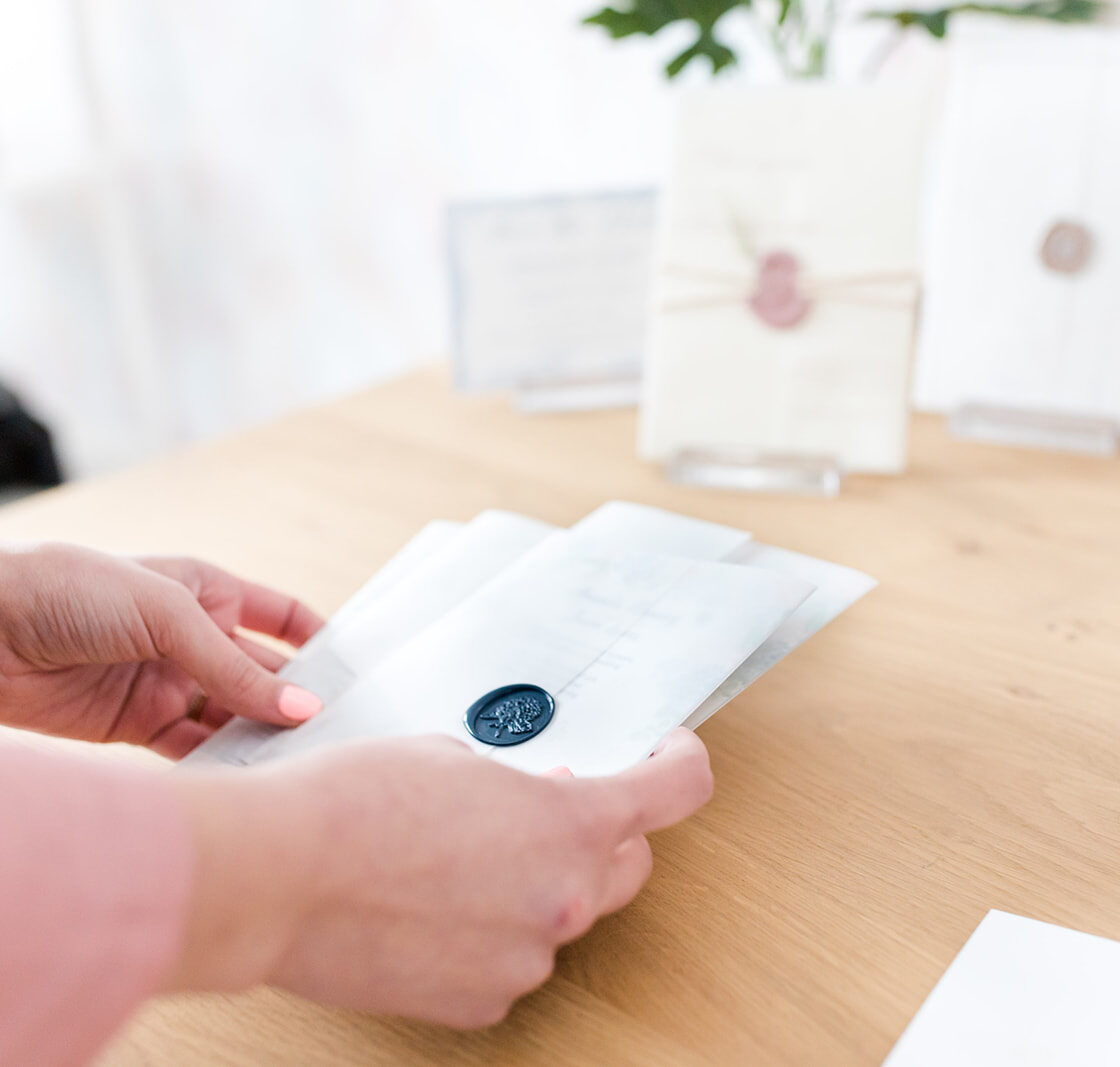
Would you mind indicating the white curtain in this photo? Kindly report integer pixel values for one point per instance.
(213, 211)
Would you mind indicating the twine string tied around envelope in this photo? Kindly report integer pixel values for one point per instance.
(780, 293)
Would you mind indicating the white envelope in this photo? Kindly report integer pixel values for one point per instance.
(627, 644)
(430, 575)
(829, 175)
(1031, 140)
(438, 570)
(446, 563)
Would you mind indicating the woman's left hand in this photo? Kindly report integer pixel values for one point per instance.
(104, 648)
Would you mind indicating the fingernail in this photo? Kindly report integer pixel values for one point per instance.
(298, 704)
(559, 772)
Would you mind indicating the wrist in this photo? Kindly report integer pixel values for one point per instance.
(254, 864)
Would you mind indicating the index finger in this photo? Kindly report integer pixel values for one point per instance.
(660, 791)
(271, 612)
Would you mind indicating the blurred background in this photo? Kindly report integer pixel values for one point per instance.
(211, 213)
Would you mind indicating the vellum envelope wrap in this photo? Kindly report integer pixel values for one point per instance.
(786, 276)
(635, 620)
(1023, 278)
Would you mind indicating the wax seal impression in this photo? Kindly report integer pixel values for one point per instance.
(510, 715)
(1067, 247)
(777, 298)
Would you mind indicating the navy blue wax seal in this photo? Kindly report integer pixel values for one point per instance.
(510, 715)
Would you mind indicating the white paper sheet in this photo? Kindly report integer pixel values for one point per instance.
(628, 644)
(829, 175)
(837, 589)
(1031, 138)
(1021, 993)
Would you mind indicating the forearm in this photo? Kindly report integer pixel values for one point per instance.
(96, 872)
(255, 841)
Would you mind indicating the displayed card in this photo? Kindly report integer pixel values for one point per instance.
(1020, 992)
(551, 292)
(1023, 261)
(786, 276)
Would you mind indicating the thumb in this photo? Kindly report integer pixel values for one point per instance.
(657, 792)
(184, 633)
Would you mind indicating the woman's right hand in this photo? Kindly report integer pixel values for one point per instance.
(413, 877)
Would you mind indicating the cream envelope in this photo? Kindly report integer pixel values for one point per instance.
(1023, 271)
(786, 275)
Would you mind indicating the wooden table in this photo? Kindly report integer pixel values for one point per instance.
(950, 745)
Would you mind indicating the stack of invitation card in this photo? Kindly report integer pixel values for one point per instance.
(786, 276)
(543, 647)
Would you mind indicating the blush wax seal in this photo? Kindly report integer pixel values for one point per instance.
(1067, 247)
(777, 299)
(510, 715)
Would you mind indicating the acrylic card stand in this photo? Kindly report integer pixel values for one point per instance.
(1053, 431)
(754, 472)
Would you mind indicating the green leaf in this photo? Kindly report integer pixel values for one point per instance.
(719, 55)
(650, 16)
(936, 21)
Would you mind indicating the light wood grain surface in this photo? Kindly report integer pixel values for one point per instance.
(950, 745)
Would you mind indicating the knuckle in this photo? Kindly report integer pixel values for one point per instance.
(166, 608)
(241, 676)
(572, 916)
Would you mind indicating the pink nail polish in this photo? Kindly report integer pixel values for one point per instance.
(298, 704)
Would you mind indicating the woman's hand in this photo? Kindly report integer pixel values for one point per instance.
(413, 877)
(103, 648)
